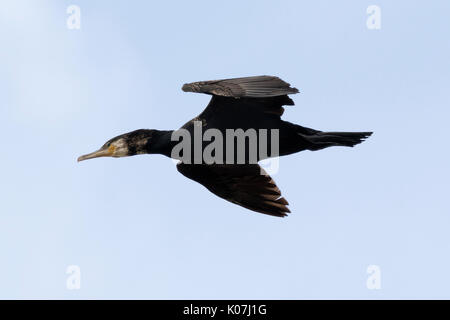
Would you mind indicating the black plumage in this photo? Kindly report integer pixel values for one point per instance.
(239, 103)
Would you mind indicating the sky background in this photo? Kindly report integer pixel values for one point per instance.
(140, 230)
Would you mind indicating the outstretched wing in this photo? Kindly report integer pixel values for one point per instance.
(243, 98)
(247, 185)
(250, 87)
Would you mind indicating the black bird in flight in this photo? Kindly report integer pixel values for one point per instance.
(239, 103)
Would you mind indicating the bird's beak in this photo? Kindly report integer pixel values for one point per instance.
(96, 154)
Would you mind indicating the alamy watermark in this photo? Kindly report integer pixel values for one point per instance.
(239, 146)
(373, 21)
(73, 281)
(373, 282)
(74, 20)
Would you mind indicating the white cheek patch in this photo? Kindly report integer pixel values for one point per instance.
(120, 143)
(121, 148)
(121, 151)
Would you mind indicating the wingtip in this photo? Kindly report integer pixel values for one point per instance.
(366, 136)
(185, 87)
(285, 213)
(295, 90)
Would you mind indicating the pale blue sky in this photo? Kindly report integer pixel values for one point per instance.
(139, 229)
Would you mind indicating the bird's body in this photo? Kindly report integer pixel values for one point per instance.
(245, 114)
(220, 148)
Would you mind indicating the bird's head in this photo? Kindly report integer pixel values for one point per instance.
(128, 144)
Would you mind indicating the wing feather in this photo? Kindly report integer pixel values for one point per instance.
(247, 185)
(250, 87)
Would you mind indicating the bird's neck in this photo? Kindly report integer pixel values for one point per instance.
(161, 143)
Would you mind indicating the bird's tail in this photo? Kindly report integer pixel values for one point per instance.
(320, 140)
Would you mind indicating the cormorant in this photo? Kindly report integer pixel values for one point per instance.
(254, 103)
